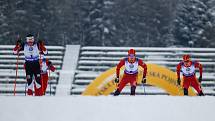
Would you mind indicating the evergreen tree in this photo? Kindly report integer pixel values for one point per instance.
(94, 23)
(110, 22)
(4, 31)
(190, 23)
(209, 33)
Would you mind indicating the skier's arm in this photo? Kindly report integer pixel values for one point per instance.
(198, 65)
(120, 64)
(42, 47)
(19, 47)
(178, 70)
(144, 66)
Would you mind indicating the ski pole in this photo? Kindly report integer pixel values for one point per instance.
(25, 87)
(17, 62)
(50, 89)
(179, 90)
(50, 82)
(144, 90)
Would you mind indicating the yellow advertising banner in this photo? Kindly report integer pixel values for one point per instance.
(158, 76)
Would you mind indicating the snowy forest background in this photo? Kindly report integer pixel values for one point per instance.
(146, 23)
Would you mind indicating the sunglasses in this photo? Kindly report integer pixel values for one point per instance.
(131, 56)
(187, 61)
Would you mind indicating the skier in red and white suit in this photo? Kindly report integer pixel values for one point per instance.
(46, 65)
(32, 67)
(130, 73)
(187, 67)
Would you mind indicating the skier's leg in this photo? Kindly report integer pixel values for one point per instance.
(185, 91)
(133, 88)
(186, 84)
(38, 85)
(38, 79)
(133, 83)
(29, 76)
(30, 84)
(196, 86)
(45, 81)
(121, 85)
(36, 90)
(116, 93)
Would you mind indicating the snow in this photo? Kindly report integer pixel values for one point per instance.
(21, 12)
(140, 90)
(114, 53)
(48, 47)
(87, 75)
(68, 69)
(57, 52)
(93, 67)
(22, 61)
(155, 58)
(94, 62)
(107, 108)
(147, 49)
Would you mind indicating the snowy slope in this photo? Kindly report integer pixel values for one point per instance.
(122, 108)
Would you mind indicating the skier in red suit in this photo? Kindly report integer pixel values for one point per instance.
(46, 65)
(187, 67)
(131, 64)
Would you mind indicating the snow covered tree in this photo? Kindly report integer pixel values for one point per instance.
(95, 25)
(144, 23)
(110, 22)
(209, 33)
(22, 17)
(190, 23)
(4, 31)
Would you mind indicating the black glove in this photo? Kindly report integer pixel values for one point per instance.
(200, 79)
(144, 80)
(179, 81)
(19, 41)
(49, 63)
(116, 80)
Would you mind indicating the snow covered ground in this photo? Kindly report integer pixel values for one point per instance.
(107, 108)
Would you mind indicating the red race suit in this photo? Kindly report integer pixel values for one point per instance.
(130, 72)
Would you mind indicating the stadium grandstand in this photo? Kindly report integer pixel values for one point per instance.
(77, 66)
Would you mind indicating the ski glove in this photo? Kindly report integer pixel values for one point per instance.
(18, 42)
(144, 80)
(49, 63)
(179, 81)
(116, 80)
(200, 79)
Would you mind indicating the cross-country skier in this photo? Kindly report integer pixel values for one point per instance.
(32, 66)
(187, 67)
(45, 67)
(131, 64)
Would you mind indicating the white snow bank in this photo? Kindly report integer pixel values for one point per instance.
(122, 108)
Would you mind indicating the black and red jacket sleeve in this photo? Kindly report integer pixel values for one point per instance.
(178, 70)
(198, 65)
(144, 66)
(119, 65)
(18, 48)
(42, 48)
